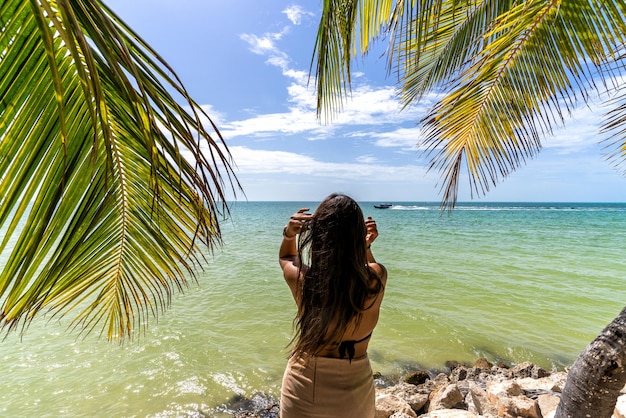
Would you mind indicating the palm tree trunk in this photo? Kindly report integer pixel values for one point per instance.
(596, 378)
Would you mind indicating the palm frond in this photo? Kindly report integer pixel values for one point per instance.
(441, 43)
(614, 128)
(102, 210)
(538, 60)
(509, 73)
(333, 52)
(346, 29)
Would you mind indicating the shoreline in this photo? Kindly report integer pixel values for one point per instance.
(483, 389)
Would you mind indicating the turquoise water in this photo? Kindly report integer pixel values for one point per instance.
(509, 282)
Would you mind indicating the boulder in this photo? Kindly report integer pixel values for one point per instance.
(441, 379)
(415, 396)
(400, 415)
(245, 414)
(449, 413)
(620, 407)
(518, 407)
(483, 363)
(388, 404)
(527, 369)
(417, 378)
(506, 388)
(459, 374)
(445, 397)
(510, 401)
(548, 403)
(553, 383)
(478, 403)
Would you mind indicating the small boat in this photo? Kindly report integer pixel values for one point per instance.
(383, 206)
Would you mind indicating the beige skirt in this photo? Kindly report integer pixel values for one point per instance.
(325, 387)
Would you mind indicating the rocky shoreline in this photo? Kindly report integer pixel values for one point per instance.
(461, 391)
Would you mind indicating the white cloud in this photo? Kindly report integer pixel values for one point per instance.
(579, 132)
(274, 124)
(278, 59)
(266, 44)
(250, 161)
(377, 106)
(300, 77)
(295, 13)
(366, 159)
(216, 116)
(367, 106)
(404, 138)
(259, 45)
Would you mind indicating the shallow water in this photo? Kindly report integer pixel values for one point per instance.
(510, 282)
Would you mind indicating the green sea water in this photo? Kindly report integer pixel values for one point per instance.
(505, 281)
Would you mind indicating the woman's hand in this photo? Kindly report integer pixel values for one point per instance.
(372, 231)
(297, 222)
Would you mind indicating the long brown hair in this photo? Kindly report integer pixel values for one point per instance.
(337, 281)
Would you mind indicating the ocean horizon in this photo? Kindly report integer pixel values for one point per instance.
(508, 281)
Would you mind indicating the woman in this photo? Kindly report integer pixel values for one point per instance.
(338, 288)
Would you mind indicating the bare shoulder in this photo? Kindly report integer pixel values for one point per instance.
(380, 271)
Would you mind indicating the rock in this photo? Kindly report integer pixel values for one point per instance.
(415, 396)
(478, 403)
(518, 407)
(400, 415)
(388, 404)
(449, 413)
(459, 374)
(452, 364)
(507, 388)
(548, 403)
(260, 405)
(463, 387)
(552, 383)
(538, 373)
(620, 407)
(383, 381)
(527, 369)
(483, 363)
(445, 397)
(245, 414)
(510, 400)
(417, 378)
(441, 379)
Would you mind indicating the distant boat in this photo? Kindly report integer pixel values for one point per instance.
(383, 206)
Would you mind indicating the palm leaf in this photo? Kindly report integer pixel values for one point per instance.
(539, 59)
(103, 212)
(508, 71)
(441, 42)
(346, 28)
(333, 52)
(615, 130)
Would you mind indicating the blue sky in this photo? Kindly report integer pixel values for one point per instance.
(247, 61)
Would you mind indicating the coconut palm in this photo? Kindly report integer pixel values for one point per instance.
(110, 190)
(507, 72)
